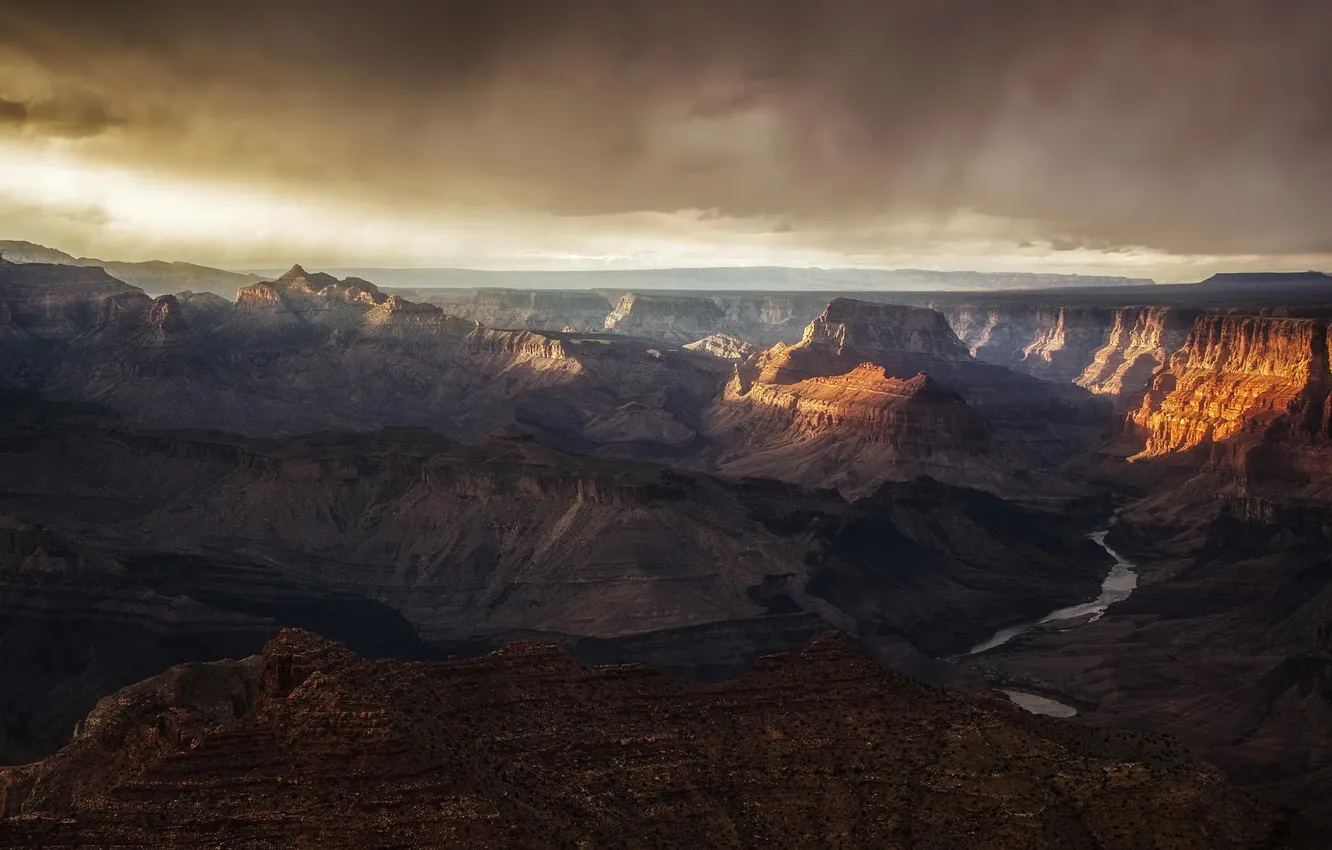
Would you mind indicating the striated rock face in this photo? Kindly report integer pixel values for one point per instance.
(542, 310)
(770, 318)
(1064, 343)
(881, 407)
(670, 318)
(1141, 341)
(526, 748)
(1251, 392)
(879, 428)
(1051, 342)
(724, 346)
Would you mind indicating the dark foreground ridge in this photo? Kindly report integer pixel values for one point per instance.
(309, 745)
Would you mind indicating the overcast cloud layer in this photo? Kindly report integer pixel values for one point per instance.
(837, 128)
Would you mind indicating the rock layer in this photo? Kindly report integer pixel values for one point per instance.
(877, 392)
(1251, 393)
(527, 748)
(670, 318)
(1141, 341)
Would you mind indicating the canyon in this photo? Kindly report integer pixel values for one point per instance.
(688, 479)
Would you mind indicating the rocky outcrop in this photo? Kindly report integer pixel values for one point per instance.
(1250, 394)
(879, 428)
(527, 748)
(725, 346)
(316, 298)
(1141, 341)
(868, 401)
(203, 310)
(669, 318)
(903, 340)
(824, 411)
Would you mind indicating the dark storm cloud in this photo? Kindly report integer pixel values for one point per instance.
(1200, 126)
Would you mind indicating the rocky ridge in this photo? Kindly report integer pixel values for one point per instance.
(525, 747)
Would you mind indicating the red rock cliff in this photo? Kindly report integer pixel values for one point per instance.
(1141, 340)
(1251, 391)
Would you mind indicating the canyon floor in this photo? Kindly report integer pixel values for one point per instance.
(337, 563)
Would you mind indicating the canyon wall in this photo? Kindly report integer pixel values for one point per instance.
(537, 309)
(1251, 393)
(669, 318)
(1141, 340)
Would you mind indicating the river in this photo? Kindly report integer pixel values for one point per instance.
(1118, 585)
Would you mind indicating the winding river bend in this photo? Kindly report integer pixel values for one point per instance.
(1118, 585)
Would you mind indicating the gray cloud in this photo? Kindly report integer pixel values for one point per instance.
(1198, 127)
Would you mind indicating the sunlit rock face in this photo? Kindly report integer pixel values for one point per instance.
(1251, 392)
(878, 392)
(313, 297)
(903, 340)
(724, 346)
(1141, 340)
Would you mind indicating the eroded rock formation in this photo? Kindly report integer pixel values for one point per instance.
(1141, 340)
(670, 318)
(540, 310)
(880, 391)
(725, 346)
(1251, 393)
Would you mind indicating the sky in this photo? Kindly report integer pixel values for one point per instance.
(1138, 137)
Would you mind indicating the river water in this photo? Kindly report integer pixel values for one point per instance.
(1119, 583)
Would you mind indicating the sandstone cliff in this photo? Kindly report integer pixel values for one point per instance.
(1250, 394)
(1141, 341)
(527, 748)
